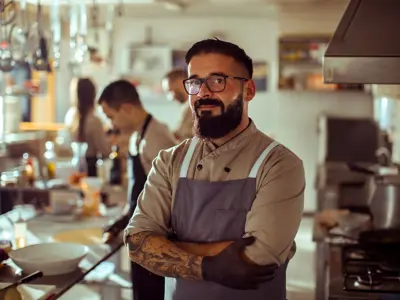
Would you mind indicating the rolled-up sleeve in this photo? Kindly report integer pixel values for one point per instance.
(276, 213)
(153, 210)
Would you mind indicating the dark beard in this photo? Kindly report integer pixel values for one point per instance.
(214, 127)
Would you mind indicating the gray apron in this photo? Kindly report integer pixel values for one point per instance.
(206, 211)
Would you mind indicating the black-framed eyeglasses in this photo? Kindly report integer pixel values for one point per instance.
(215, 83)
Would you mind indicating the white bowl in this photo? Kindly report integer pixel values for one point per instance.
(50, 258)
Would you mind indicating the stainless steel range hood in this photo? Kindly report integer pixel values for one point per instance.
(365, 48)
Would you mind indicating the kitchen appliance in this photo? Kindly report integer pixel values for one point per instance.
(348, 139)
(360, 52)
(367, 269)
(383, 192)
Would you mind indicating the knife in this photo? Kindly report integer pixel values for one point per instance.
(25, 279)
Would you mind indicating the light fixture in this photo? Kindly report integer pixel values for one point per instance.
(89, 2)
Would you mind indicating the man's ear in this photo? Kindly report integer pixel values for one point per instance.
(249, 91)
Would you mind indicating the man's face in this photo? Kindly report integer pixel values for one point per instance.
(120, 118)
(174, 90)
(96, 57)
(219, 112)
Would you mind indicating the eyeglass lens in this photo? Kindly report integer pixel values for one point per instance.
(214, 83)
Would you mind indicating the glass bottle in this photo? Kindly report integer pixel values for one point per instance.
(79, 157)
(116, 167)
(50, 160)
(20, 232)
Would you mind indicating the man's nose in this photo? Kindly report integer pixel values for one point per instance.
(204, 92)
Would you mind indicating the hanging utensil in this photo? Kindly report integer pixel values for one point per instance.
(120, 8)
(8, 11)
(55, 22)
(81, 38)
(73, 30)
(7, 62)
(94, 21)
(40, 61)
(18, 35)
(110, 33)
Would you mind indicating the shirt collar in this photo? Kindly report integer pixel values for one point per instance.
(242, 138)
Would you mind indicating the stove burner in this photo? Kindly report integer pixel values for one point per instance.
(390, 266)
(369, 280)
(370, 270)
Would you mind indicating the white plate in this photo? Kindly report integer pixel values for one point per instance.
(50, 258)
(33, 291)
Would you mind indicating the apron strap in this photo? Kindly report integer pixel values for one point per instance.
(264, 154)
(188, 157)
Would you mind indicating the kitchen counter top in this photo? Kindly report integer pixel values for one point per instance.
(42, 227)
(23, 136)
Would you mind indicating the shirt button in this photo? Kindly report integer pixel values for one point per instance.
(199, 167)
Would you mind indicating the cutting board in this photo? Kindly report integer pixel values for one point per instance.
(87, 236)
(33, 291)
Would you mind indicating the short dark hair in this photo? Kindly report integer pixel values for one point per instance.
(119, 92)
(86, 96)
(221, 47)
(176, 74)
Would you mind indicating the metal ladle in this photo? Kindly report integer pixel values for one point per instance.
(7, 62)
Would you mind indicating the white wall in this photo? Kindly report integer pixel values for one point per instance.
(291, 117)
(315, 18)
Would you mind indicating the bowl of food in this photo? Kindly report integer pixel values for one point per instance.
(50, 258)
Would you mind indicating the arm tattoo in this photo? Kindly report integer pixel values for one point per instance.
(160, 256)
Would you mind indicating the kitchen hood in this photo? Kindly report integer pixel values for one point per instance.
(365, 48)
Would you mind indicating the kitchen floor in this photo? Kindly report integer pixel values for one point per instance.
(301, 270)
(300, 276)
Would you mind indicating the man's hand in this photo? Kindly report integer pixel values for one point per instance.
(229, 269)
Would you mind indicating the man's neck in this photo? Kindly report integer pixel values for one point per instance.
(242, 126)
(140, 117)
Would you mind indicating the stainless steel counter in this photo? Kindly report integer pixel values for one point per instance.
(41, 229)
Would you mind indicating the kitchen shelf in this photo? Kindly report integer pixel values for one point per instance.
(301, 62)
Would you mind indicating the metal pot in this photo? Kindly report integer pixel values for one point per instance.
(383, 199)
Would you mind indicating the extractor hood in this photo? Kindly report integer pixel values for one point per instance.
(365, 47)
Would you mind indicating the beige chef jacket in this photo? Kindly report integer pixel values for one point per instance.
(95, 136)
(185, 127)
(157, 137)
(276, 211)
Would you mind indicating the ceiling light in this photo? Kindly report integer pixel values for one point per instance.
(90, 2)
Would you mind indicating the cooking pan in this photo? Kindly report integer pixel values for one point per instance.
(383, 197)
(386, 244)
(381, 238)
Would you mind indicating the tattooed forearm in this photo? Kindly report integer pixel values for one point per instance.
(160, 256)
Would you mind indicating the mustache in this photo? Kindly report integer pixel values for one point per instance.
(208, 101)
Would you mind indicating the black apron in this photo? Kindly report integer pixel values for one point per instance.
(146, 285)
(91, 166)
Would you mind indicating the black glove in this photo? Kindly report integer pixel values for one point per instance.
(229, 269)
